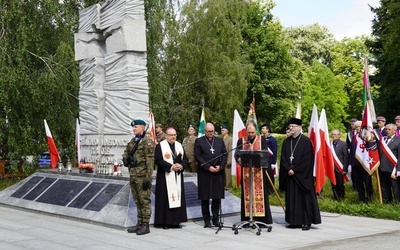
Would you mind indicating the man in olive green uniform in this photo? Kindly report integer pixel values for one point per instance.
(160, 135)
(188, 145)
(228, 145)
(139, 158)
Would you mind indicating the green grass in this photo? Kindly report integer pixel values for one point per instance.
(348, 206)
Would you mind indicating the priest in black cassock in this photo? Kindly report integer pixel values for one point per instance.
(210, 173)
(170, 202)
(297, 159)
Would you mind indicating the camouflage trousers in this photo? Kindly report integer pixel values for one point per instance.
(140, 196)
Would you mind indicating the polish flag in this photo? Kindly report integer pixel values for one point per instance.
(54, 156)
(313, 133)
(327, 156)
(77, 140)
(239, 130)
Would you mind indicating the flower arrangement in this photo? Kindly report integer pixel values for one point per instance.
(86, 167)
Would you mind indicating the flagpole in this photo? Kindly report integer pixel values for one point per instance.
(379, 186)
(276, 193)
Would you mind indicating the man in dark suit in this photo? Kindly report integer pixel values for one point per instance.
(380, 131)
(349, 139)
(340, 159)
(389, 187)
(211, 156)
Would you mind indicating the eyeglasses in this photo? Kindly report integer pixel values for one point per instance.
(293, 126)
(171, 134)
(210, 131)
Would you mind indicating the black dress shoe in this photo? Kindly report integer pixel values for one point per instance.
(165, 227)
(293, 226)
(306, 227)
(207, 223)
(215, 222)
(174, 226)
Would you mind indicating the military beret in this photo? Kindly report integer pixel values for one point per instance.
(192, 126)
(138, 122)
(397, 117)
(224, 127)
(381, 118)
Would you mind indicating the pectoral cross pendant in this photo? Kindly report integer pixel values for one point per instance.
(291, 159)
(212, 150)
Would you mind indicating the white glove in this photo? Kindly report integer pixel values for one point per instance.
(274, 166)
(349, 169)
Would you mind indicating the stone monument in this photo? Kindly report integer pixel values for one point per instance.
(110, 47)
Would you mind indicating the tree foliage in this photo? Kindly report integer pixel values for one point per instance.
(39, 78)
(386, 49)
(270, 82)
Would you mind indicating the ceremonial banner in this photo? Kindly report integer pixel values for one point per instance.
(202, 124)
(152, 128)
(366, 147)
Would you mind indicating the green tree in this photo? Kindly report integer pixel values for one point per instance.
(348, 62)
(325, 90)
(203, 60)
(311, 42)
(274, 91)
(38, 75)
(386, 49)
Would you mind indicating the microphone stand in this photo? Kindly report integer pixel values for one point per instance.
(220, 223)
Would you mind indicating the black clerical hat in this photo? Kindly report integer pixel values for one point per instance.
(295, 121)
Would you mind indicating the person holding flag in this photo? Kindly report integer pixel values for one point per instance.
(362, 180)
(340, 158)
(272, 147)
(297, 160)
(389, 152)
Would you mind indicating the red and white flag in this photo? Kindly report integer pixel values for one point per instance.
(152, 128)
(366, 150)
(78, 140)
(325, 148)
(54, 156)
(313, 133)
(239, 130)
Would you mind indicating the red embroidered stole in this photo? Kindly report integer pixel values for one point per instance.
(258, 182)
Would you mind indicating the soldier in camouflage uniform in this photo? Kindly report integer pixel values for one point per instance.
(139, 158)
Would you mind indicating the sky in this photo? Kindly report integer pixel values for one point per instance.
(344, 18)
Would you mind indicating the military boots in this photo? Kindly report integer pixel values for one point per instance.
(134, 229)
(144, 229)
